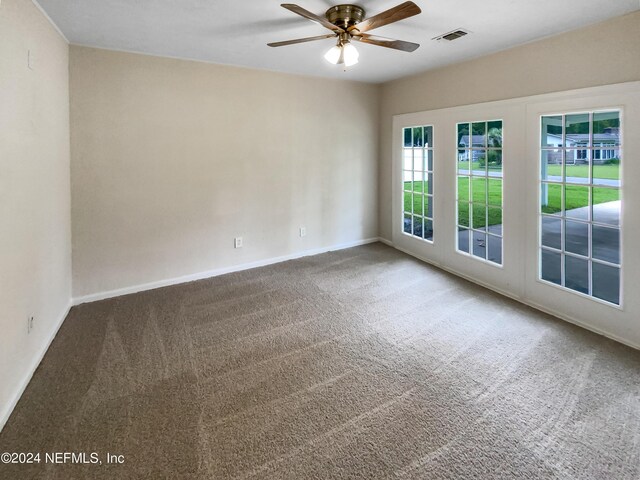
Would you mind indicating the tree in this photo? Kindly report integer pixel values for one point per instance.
(494, 138)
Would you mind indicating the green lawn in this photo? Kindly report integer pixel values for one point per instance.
(575, 197)
(611, 172)
(479, 191)
(476, 166)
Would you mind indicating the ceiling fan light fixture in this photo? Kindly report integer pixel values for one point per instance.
(343, 53)
(350, 54)
(334, 54)
(346, 22)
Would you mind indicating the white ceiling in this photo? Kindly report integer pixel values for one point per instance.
(236, 32)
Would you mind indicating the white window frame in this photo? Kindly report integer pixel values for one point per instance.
(426, 150)
(474, 151)
(589, 149)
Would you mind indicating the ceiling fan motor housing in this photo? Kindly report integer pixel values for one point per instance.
(345, 16)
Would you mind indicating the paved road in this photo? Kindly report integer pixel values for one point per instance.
(599, 181)
(552, 178)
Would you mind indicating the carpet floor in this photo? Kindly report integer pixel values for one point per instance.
(362, 363)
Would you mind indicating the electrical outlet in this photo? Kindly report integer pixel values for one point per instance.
(237, 242)
(30, 59)
(303, 231)
(29, 324)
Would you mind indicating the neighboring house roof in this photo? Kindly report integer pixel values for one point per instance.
(478, 140)
(583, 138)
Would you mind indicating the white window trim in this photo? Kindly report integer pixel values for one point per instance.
(471, 203)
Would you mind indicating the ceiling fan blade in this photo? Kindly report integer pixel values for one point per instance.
(400, 12)
(312, 16)
(301, 40)
(386, 42)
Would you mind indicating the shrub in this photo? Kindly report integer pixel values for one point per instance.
(494, 158)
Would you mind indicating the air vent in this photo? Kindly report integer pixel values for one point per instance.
(451, 36)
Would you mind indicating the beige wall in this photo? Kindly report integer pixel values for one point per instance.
(602, 54)
(35, 238)
(172, 159)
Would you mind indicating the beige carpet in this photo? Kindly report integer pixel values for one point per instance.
(362, 363)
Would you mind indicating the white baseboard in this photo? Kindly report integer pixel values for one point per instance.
(8, 409)
(214, 273)
(386, 242)
(525, 301)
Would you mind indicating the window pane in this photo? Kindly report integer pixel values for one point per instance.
(606, 282)
(606, 127)
(495, 191)
(551, 199)
(552, 232)
(407, 179)
(408, 202)
(428, 230)
(479, 162)
(463, 214)
(576, 274)
(429, 160)
(606, 167)
(418, 202)
(576, 202)
(576, 168)
(606, 244)
(479, 138)
(479, 216)
(428, 184)
(463, 188)
(417, 226)
(463, 135)
(407, 159)
(551, 267)
(464, 165)
(428, 136)
(418, 179)
(479, 189)
(463, 240)
(428, 206)
(551, 165)
(407, 138)
(606, 206)
(495, 220)
(418, 139)
(576, 237)
(480, 245)
(576, 130)
(494, 134)
(494, 254)
(418, 159)
(494, 163)
(552, 131)
(407, 223)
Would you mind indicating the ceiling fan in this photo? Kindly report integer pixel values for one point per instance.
(346, 22)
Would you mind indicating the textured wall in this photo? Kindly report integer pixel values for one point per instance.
(35, 238)
(172, 159)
